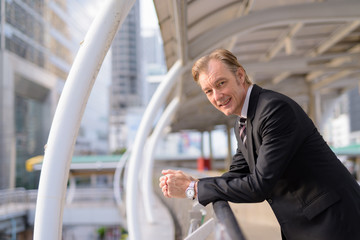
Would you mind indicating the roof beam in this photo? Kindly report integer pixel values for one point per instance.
(334, 63)
(284, 41)
(284, 38)
(180, 17)
(331, 79)
(244, 9)
(301, 65)
(279, 78)
(305, 13)
(337, 36)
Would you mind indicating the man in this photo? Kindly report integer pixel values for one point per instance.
(281, 158)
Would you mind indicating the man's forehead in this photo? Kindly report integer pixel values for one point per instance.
(213, 71)
(206, 78)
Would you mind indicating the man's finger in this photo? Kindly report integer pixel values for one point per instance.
(167, 171)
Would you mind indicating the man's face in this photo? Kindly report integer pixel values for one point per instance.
(224, 90)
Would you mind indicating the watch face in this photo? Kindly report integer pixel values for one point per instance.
(190, 193)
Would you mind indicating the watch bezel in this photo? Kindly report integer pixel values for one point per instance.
(190, 191)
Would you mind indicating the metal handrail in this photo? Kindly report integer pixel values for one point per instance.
(227, 220)
(198, 230)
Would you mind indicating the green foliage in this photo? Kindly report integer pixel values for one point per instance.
(119, 151)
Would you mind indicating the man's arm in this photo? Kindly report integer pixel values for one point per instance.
(238, 167)
(281, 134)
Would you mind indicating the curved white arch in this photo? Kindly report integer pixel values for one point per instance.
(137, 153)
(66, 123)
(147, 187)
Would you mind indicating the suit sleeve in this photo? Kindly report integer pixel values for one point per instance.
(281, 136)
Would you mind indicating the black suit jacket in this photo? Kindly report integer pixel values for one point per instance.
(288, 163)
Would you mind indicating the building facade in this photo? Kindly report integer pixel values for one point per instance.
(39, 40)
(126, 86)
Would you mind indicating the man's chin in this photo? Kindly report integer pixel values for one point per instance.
(227, 113)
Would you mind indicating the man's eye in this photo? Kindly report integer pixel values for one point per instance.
(219, 84)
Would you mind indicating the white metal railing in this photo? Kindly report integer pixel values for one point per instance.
(19, 197)
(93, 195)
(137, 154)
(225, 226)
(119, 184)
(16, 195)
(148, 167)
(16, 201)
(198, 230)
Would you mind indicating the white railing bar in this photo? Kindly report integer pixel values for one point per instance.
(118, 181)
(134, 168)
(147, 187)
(202, 232)
(67, 118)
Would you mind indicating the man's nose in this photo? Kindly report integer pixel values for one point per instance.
(217, 95)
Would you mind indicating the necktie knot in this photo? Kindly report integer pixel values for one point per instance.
(242, 121)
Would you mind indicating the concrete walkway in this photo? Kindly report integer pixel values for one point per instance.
(257, 221)
(163, 228)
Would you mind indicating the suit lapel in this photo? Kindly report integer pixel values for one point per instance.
(254, 96)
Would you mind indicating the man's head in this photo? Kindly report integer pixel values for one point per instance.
(223, 80)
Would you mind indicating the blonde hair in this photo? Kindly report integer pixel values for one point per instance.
(222, 55)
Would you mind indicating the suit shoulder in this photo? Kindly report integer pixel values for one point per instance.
(274, 98)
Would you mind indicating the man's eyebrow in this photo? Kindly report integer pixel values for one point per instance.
(204, 89)
(219, 79)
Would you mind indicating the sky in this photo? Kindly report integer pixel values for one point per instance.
(148, 16)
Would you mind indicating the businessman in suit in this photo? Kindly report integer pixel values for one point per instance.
(280, 158)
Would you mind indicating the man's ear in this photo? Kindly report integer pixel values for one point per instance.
(241, 74)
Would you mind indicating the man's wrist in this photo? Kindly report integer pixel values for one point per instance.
(196, 190)
(190, 192)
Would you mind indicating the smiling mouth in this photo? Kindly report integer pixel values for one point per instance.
(225, 103)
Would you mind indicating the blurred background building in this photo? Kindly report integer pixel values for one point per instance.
(127, 78)
(39, 40)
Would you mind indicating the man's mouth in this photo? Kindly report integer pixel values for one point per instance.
(225, 103)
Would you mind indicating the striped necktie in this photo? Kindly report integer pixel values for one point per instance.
(242, 129)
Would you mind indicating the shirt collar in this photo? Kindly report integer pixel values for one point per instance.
(245, 107)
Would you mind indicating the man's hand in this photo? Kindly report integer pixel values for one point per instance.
(174, 183)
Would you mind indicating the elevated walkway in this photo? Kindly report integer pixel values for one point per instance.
(256, 220)
(163, 228)
(172, 216)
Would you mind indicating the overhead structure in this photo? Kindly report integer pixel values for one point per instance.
(306, 49)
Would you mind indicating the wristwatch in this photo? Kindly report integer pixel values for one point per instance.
(190, 191)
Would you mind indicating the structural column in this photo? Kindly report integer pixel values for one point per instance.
(211, 156)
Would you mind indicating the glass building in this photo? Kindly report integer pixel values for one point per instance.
(39, 40)
(126, 86)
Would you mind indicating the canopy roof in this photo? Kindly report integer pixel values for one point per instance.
(306, 49)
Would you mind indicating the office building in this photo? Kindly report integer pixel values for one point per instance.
(126, 86)
(39, 40)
